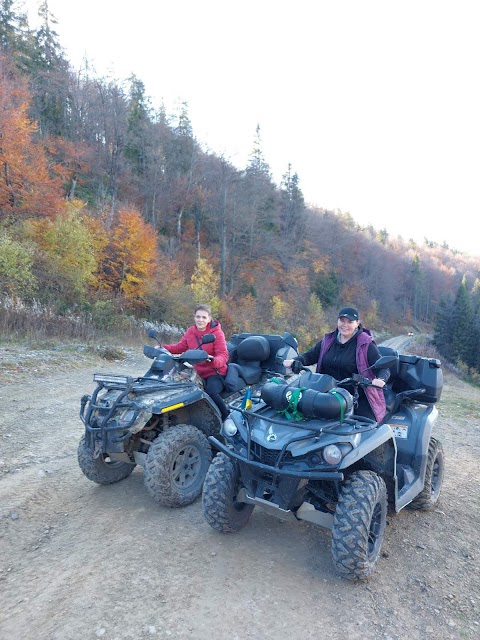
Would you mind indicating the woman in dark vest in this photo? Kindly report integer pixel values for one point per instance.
(347, 350)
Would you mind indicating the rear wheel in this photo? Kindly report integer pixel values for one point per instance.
(101, 468)
(220, 489)
(176, 465)
(428, 498)
(359, 525)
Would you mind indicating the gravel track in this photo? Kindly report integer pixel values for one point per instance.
(81, 561)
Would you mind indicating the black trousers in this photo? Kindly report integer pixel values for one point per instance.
(214, 385)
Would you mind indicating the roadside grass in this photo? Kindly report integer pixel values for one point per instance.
(459, 399)
(21, 359)
(40, 327)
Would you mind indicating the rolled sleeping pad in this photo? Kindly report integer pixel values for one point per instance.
(337, 403)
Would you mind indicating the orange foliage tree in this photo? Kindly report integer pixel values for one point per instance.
(27, 186)
(72, 160)
(169, 295)
(131, 258)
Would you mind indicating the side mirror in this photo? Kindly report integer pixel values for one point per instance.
(385, 362)
(208, 337)
(290, 340)
(150, 352)
(151, 333)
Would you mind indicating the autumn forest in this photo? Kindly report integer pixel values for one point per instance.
(111, 207)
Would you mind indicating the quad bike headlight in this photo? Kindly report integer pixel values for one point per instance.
(229, 428)
(332, 454)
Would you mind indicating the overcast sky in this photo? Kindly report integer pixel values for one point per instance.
(375, 103)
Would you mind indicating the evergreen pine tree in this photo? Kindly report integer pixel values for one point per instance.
(475, 296)
(462, 325)
(49, 77)
(443, 332)
(293, 209)
(15, 35)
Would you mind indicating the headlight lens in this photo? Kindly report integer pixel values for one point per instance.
(332, 454)
(229, 428)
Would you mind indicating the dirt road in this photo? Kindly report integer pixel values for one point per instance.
(80, 561)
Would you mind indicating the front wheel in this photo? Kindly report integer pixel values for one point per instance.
(220, 489)
(101, 468)
(434, 472)
(359, 525)
(176, 464)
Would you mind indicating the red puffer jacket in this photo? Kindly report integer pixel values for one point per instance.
(192, 340)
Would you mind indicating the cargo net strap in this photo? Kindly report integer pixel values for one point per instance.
(291, 412)
(341, 402)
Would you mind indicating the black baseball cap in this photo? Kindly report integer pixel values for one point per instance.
(348, 312)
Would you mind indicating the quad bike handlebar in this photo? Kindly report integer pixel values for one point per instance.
(357, 380)
(384, 362)
(320, 405)
(191, 356)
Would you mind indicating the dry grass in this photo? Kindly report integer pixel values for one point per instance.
(18, 361)
(459, 398)
(37, 327)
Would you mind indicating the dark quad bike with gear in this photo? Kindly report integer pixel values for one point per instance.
(161, 420)
(300, 453)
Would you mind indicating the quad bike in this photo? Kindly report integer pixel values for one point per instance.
(161, 420)
(301, 453)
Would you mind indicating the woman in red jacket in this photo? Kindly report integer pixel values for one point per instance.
(214, 369)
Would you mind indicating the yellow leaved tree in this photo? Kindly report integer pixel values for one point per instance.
(65, 249)
(205, 283)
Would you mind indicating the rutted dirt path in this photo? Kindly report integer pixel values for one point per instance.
(81, 561)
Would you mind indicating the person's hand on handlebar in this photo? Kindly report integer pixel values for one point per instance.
(295, 365)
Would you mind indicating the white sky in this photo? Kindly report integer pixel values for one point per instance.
(375, 103)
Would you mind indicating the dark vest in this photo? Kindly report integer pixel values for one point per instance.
(375, 396)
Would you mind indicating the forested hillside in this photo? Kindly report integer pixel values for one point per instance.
(109, 206)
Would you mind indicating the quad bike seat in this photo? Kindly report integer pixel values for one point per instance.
(249, 355)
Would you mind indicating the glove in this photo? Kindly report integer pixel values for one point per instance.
(296, 366)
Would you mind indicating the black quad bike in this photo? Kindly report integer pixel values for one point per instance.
(161, 420)
(300, 453)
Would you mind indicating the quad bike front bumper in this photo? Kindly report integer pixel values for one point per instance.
(278, 491)
(108, 424)
(277, 471)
